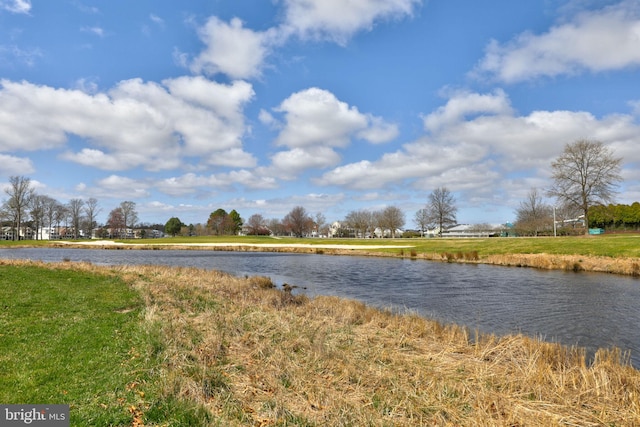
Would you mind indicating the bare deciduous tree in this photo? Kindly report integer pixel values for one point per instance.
(20, 193)
(75, 212)
(422, 220)
(321, 224)
(50, 206)
(257, 225)
(298, 221)
(391, 218)
(533, 215)
(276, 227)
(116, 223)
(586, 173)
(37, 212)
(360, 221)
(91, 211)
(442, 208)
(61, 215)
(129, 214)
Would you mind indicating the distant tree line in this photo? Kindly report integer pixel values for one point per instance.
(25, 214)
(298, 222)
(363, 223)
(619, 216)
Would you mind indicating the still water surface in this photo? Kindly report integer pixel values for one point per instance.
(586, 309)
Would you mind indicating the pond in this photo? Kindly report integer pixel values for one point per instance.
(591, 310)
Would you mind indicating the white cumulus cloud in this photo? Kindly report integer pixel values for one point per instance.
(12, 165)
(231, 49)
(122, 187)
(316, 116)
(465, 104)
(475, 147)
(193, 183)
(599, 40)
(338, 20)
(315, 123)
(135, 124)
(240, 52)
(291, 162)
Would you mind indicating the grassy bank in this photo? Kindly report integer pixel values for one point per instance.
(77, 337)
(608, 245)
(248, 354)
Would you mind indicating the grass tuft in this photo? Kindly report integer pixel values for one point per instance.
(261, 282)
(635, 269)
(471, 256)
(448, 256)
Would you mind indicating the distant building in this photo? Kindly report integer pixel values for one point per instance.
(25, 233)
(473, 230)
(49, 233)
(337, 229)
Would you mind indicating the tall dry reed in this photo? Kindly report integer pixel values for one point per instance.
(255, 355)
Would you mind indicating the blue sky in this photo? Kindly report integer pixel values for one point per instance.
(334, 105)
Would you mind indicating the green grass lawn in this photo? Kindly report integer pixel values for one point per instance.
(77, 338)
(605, 245)
(18, 243)
(611, 245)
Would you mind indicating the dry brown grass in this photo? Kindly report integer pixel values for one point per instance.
(600, 264)
(254, 355)
(625, 266)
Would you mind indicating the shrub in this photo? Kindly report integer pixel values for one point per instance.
(410, 235)
(471, 256)
(448, 256)
(261, 282)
